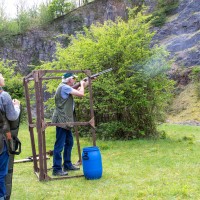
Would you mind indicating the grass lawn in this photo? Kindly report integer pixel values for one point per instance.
(138, 169)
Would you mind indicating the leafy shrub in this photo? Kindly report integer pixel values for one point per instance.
(129, 101)
(114, 131)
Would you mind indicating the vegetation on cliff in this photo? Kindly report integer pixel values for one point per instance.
(163, 8)
(186, 105)
(36, 17)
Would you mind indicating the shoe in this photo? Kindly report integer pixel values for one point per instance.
(72, 168)
(59, 173)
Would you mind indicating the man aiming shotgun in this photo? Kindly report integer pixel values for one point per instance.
(94, 76)
(64, 112)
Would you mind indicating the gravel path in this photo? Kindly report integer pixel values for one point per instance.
(189, 122)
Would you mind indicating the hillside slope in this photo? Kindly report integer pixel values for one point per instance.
(186, 107)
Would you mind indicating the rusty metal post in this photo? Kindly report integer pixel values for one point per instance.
(43, 124)
(92, 111)
(39, 125)
(30, 121)
(78, 145)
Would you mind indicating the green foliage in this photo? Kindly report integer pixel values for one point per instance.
(23, 21)
(13, 81)
(7, 29)
(134, 96)
(196, 79)
(115, 130)
(87, 1)
(45, 16)
(163, 8)
(60, 7)
(32, 18)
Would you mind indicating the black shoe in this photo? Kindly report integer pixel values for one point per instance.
(60, 173)
(72, 168)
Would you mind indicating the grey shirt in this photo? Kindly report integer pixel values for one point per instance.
(6, 105)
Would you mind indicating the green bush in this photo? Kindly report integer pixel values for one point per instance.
(115, 131)
(129, 101)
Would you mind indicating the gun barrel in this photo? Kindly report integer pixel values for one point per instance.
(93, 76)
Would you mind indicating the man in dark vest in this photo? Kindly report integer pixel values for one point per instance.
(64, 112)
(4, 156)
(9, 112)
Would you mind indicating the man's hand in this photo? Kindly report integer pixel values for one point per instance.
(8, 135)
(16, 102)
(82, 83)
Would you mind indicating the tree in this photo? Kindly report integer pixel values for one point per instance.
(2, 8)
(45, 15)
(60, 7)
(129, 102)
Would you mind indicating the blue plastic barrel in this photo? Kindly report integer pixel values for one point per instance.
(92, 163)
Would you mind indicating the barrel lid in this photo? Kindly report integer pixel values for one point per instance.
(94, 148)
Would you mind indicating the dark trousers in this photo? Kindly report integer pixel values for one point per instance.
(4, 158)
(64, 139)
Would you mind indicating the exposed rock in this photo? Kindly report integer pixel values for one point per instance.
(40, 45)
(181, 35)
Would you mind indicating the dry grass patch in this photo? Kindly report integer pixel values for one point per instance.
(186, 106)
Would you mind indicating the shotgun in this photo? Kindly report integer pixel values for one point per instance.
(77, 85)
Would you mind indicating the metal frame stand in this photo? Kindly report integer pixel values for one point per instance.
(38, 76)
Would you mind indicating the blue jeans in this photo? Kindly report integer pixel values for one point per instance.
(4, 158)
(64, 139)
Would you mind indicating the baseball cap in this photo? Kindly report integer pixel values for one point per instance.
(68, 75)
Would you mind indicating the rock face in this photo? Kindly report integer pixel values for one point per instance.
(28, 49)
(180, 34)
(34, 46)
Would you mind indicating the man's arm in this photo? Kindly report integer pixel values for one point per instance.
(81, 90)
(11, 108)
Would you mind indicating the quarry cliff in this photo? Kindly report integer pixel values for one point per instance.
(180, 34)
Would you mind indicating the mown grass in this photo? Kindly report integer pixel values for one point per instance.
(138, 169)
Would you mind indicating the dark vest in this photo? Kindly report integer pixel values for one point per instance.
(4, 128)
(64, 111)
